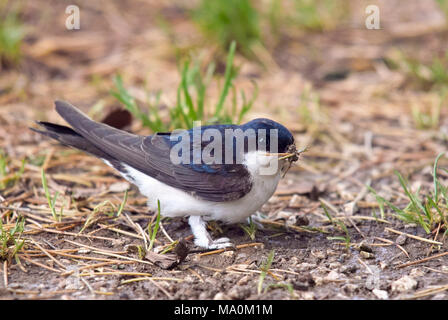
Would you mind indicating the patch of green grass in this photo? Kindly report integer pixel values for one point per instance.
(12, 32)
(250, 229)
(191, 104)
(225, 21)
(340, 225)
(443, 4)
(287, 286)
(311, 112)
(51, 201)
(318, 15)
(10, 241)
(429, 119)
(152, 230)
(426, 210)
(7, 177)
(431, 75)
(264, 270)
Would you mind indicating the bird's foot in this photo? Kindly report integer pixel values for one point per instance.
(256, 219)
(221, 243)
(202, 237)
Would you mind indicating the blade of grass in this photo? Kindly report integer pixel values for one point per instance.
(228, 77)
(264, 269)
(153, 231)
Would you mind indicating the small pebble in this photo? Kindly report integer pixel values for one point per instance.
(404, 284)
(366, 255)
(220, 296)
(401, 239)
(380, 294)
(243, 281)
(416, 272)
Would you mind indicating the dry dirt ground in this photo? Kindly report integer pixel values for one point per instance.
(333, 89)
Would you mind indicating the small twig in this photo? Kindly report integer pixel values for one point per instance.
(139, 230)
(435, 238)
(119, 273)
(137, 236)
(165, 233)
(222, 250)
(88, 286)
(67, 233)
(430, 291)
(49, 255)
(152, 278)
(413, 237)
(109, 253)
(422, 260)
(196, 274)
(39, 264)
(365, 265)
(393, 243)
(5, 273)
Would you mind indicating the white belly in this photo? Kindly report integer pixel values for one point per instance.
(177, 203)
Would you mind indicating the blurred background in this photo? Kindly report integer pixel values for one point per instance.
(366, 101)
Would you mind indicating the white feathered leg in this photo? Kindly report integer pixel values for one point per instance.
(202, 238)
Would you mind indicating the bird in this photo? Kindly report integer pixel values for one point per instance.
(180, 170)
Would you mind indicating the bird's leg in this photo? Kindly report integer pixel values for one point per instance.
(256, 220)
(202, 238)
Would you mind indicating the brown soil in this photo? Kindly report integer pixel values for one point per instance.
(360, 132)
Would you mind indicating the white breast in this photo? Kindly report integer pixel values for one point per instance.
(177, 203)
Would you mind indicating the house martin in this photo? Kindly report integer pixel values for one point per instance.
(213, 172)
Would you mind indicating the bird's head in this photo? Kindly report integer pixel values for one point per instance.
(263, 127)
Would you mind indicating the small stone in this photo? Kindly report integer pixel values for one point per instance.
(220, 296)
(119, 187)
(401, 239)
(303, 283)
(238, 293)
(332, 276)
(334, 265)
(305, 266)
(228, 254)
(366, 255)
(365, 247)
(307, 295)
(380, 294)
(320, 254)
(404, 284)
(348, 268)
(302, 220)
(293, 260)
(342, 257)
(350, 287)
(204, 295)
(416, 272)
(439, 296)
(296, 201)
(283, 215)
(243, 281)
(341, 296)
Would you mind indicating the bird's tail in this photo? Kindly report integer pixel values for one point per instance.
(69, 137)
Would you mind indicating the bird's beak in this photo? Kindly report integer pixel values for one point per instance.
(292, 154)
